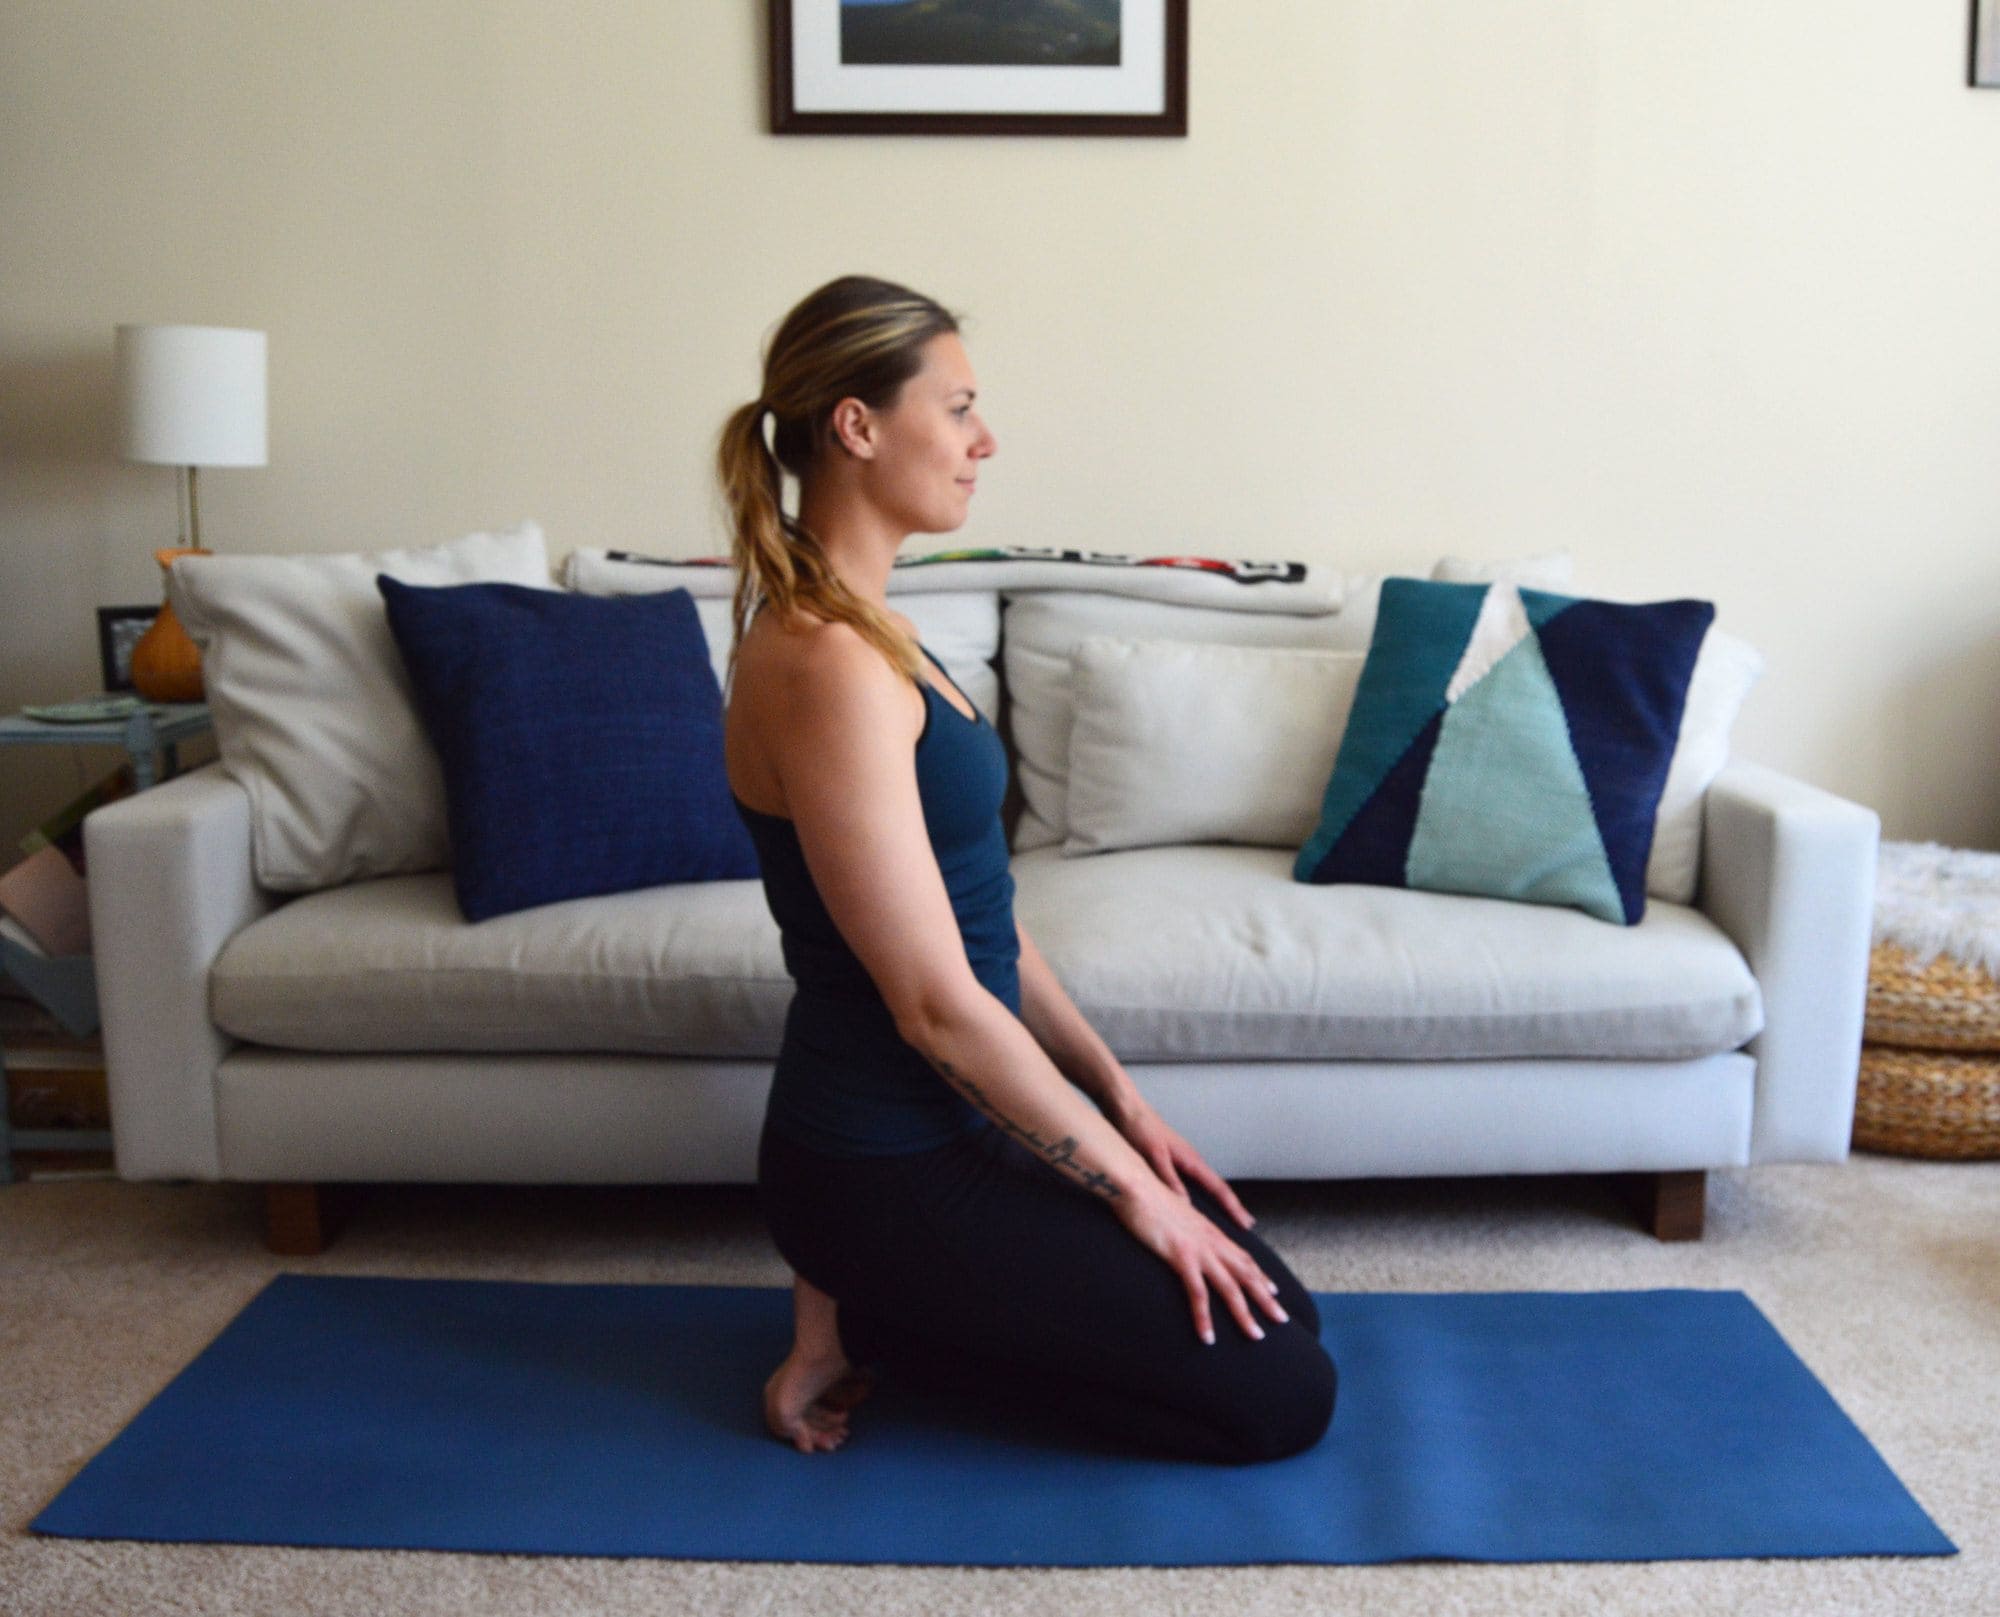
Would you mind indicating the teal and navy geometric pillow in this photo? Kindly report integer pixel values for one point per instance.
(1508, 742)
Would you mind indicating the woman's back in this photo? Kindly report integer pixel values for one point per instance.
(846, 1082)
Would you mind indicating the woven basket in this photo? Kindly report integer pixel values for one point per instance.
(1943, 1005)
(1926, 1103)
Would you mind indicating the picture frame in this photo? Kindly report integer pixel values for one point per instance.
(119, 629)
(891, 67)
(1983, 66)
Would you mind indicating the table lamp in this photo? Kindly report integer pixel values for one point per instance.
(191, 396)
(188, 396)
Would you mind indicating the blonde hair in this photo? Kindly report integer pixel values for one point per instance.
(855, 337)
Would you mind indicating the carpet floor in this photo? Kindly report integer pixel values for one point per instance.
(1883, 1274)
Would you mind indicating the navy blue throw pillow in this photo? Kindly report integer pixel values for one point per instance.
(580, 737)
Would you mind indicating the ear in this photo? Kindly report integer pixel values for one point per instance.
(852, 428)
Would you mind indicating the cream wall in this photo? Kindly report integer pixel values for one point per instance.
(1703, 290)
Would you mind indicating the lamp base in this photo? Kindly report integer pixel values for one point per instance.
(166, 664)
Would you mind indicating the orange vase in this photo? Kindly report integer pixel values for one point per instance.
(166, 664)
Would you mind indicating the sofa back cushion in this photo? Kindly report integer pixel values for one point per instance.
(1724, 672)
(955, 598)
(1181, 742)
(960, 626)
(1552, 570)
(1123, 800)
(1042, 630)
(314, 715)
(1051, 599)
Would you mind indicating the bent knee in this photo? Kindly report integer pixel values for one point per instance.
(1289, 1413)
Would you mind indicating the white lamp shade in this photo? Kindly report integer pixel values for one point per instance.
(191, 395)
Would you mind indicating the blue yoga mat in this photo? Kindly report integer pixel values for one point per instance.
(626, 1420)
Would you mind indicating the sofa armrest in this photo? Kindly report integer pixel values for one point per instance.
(1788, 871)
(170, 882)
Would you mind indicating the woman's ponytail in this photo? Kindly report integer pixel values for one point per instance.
(753, 489)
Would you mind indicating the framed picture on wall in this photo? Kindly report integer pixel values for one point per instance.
(119, 629)
(1985, 44)
(971, 67)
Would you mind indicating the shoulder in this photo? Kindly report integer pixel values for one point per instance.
(802, 621)
(815, 667)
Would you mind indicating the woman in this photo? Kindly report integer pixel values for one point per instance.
(955, 1209)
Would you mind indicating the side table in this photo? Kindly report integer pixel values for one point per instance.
(159, 727)
(153, 732)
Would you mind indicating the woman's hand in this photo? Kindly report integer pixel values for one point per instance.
(1173, 1228)
(1170, 1156)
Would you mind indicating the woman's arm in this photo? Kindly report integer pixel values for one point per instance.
(850, 783)
(1084, 1058)
(1071, 1042)
(993, 1061)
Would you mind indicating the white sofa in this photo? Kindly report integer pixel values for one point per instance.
(366, 1032)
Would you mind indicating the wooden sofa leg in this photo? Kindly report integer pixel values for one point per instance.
(1674, 1204)
(295, 1223)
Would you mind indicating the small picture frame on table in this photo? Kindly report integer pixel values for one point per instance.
(962, 67)
(119, 629)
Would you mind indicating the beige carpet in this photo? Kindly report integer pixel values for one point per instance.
(1883, 1274)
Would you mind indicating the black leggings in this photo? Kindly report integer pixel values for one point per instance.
(976, 1269)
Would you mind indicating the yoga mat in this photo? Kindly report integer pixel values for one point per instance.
(626, 1420)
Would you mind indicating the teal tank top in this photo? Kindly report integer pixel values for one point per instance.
(846, 1082)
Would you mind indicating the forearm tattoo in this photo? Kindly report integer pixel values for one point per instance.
(1060, 1154)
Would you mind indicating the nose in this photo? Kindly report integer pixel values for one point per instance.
(986, 443)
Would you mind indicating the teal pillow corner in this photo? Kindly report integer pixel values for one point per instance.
(580, 738)
(1511, 743)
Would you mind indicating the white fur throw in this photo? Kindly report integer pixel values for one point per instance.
(1931, 900)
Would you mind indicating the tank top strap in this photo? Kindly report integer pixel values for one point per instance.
(954, 684)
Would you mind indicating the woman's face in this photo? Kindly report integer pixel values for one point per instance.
(929, 443)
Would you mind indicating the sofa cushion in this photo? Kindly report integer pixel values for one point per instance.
(1042, 630)
(1181, 742)
(960, 627)
(581, 739)
(1724, 671)
(688, 969)
(1552, 570)
(1509, 742)
(1174, 954)
(1196, 953)
(313, 711)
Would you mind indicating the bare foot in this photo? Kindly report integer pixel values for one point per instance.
(807, 1399)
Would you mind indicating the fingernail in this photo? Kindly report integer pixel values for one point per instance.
(1208, 1337)
(1257, 1331)
(1287, 1318)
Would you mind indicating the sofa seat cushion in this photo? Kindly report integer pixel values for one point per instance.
(690, 968)
(1215, 952)
(1174, 954)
